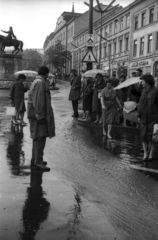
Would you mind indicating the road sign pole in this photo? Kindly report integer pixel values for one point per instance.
(89, 64)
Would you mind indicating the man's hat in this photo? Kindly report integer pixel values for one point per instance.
(139, 70)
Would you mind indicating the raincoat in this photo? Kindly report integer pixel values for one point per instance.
(75, 89)
(17, 96)
(39, 102)
(148, 112)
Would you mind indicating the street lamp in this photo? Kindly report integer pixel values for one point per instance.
(109, 53)
(79, 55)
(102, 11)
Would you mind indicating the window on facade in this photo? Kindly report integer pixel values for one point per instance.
(71, 31)
(105, 51)
(120, 45)
(110, 49)
(121, 24)
(136, 23)
(143, 19)
(150, 38)
(83, 39)
(127, 21)
(106, 32)
(115, 47)
(142, 46)
(135, 48)
(126, 43)
(157, 41)
(151, 15)
(115, 28)
(110, 29)
(96, 52)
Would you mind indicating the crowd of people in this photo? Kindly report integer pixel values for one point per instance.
(101, 101)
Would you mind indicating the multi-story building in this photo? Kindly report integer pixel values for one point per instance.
(144, 37)
(68, 25)
(63, 32)
(131, 38)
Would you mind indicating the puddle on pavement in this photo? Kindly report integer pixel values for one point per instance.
(127, 146)
(36, 205)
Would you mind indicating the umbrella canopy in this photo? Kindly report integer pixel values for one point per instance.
(51, 75)
(92, 73)
(128, 82)
(27, 73)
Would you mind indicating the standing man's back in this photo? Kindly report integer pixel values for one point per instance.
(41, 117)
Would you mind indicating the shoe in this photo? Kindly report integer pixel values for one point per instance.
(41, 167)
(33, 163)
(150, 159)
(23, 123)
(104, 133)
(15, 122)
(145, 159)
(75, 115)
(109, 136)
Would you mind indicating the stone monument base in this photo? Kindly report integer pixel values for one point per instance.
(9, 64)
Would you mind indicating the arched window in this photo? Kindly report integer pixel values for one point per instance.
(156, 69)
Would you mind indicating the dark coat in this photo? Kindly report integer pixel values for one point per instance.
(75, 88)
(96, 105)
(148, 111)
(17, 96)
(39, 97)
(87, 97)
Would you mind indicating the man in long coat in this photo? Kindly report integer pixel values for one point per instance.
(41, 117)
(75, 91)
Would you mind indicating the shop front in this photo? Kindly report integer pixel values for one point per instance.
(146, 66)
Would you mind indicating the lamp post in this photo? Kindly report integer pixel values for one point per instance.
(102, 11)
(79, 55)
(109, 53)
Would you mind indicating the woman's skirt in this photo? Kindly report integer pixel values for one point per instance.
(109, 113)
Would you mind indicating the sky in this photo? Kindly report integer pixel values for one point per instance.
(33, 20)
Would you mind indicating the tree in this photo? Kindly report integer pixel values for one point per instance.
(57, 56)
(32, 60)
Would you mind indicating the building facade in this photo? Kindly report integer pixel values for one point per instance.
(144, 37)
(130, 38)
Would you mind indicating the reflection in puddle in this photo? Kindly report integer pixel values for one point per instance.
(35, 209)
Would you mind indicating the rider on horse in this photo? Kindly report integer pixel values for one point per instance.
(10, 35)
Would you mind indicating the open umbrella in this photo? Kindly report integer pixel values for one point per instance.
(27, 73)
(128, 82)
(92, 73)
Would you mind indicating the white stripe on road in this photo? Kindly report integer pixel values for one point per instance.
(144, 169)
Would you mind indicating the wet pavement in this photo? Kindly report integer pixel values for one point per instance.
(97, 189)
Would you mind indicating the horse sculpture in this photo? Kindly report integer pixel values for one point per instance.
(17, 44)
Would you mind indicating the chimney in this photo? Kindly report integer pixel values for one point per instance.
(73, 9)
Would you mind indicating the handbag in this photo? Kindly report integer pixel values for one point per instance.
(31, 112)
(10, 111)
(155, 134)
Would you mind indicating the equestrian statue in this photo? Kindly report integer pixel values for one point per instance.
(8, 41)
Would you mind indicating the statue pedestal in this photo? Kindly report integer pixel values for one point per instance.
(9, 64)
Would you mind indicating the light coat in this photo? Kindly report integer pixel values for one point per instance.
(39, 96)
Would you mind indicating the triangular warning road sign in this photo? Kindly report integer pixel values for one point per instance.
(89, 57)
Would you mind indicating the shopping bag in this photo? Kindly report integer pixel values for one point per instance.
(155, 133)
(10, 111)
